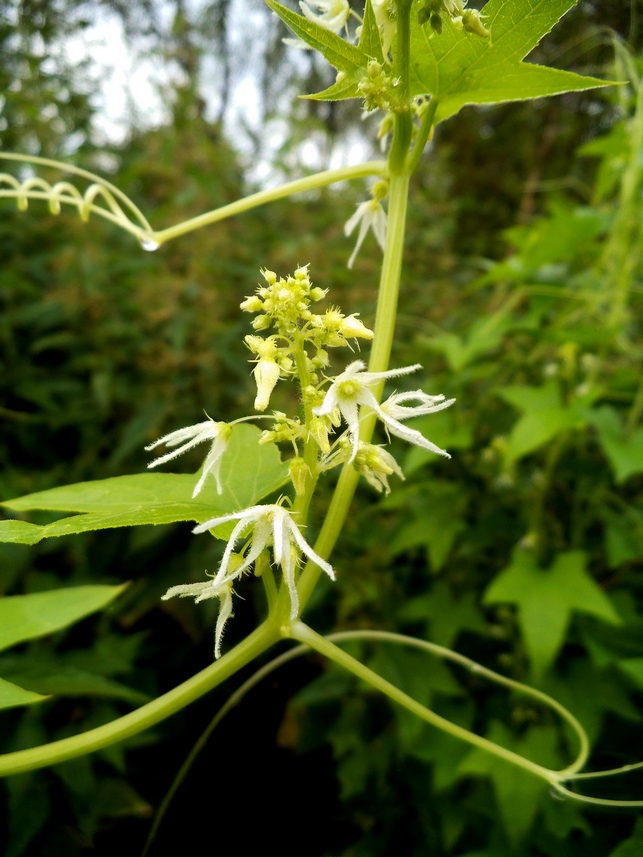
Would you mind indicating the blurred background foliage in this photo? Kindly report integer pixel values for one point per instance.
(522, 298)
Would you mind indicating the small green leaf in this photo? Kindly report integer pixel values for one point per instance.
(11, 696)
(544, 417)
(249, 472)
(625, 454)
(546, 599)
(73, 682)
(460, 68)
(446, 615)
(25, 617)
(632, 847)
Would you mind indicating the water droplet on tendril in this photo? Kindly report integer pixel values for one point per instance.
(149, 245)
(553, 791)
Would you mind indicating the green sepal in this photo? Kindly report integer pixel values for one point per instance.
(345, 87)
(249, 472)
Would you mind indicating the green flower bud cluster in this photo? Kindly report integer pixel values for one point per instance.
(373, 462)
(379, 89)
(301, 334)
(469, 20)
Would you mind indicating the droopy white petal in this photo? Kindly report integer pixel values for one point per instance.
(410, 435)
(333, 14)
(191, 436)
(310, 553)
(428, 405)
(369, 214)
(200, 591)
(225, 612)
(212, 464)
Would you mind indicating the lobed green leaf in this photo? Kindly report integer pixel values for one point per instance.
(461, 68)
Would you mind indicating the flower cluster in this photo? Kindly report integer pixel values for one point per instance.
(271, 526)
(284, 303)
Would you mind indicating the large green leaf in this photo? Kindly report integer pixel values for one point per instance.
(546, 599)
(12, 696)
(249, 472)
(25, 617)
(461, 68)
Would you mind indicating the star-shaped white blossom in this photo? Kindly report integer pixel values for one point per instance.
(369, 215)
(352, 388)
(186, 438)
(202, 591)
(270, 523)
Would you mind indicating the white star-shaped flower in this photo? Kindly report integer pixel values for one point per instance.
(352, 388)
(369, 215)
(202, 591)
(270, 523)
(186, 438)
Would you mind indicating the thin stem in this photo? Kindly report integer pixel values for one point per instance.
(426, 126)
(597, 801)
(328, 177)
(478, 669)
(306, 635)
(137, 721)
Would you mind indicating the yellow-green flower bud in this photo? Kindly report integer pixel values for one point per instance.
(269, 276)
(352, 327)
(299, 471)
(472, 23)
(319, 432)
(266, 374)
(252, 304)
(261, 322)
(318, 294)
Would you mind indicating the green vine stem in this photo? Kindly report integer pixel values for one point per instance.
(311, 638)
(148, 715)
(65, 193)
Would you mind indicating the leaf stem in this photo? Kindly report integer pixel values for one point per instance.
(328, 177)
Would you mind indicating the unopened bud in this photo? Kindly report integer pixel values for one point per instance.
(266, 374)
(298, 470)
